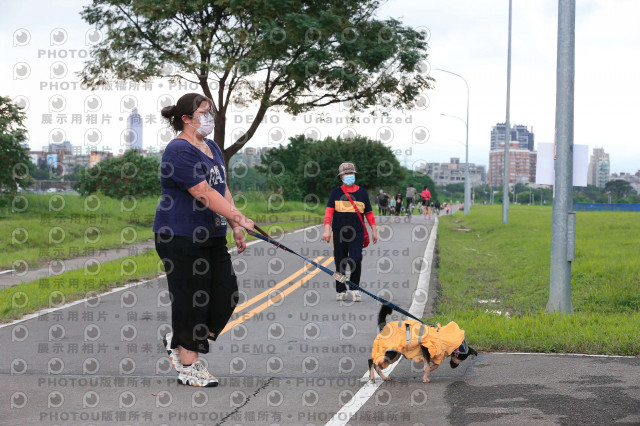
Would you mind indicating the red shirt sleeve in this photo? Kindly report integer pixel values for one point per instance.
(328, 215)
(371, 218)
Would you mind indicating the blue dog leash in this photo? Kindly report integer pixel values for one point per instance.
(336, 275)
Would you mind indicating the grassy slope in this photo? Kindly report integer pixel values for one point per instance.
(507, 268)
(67, 226)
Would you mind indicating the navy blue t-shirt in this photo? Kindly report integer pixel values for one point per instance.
(178, 213)
(344, 214)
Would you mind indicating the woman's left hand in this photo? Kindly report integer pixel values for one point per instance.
(238, 235)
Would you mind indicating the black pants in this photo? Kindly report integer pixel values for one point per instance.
(203, 288)
(347, 251)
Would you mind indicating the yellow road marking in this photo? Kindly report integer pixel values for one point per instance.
(284, 282)
(273, 300)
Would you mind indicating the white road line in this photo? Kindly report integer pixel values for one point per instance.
(75, 302)
(114, 290)
(421, 295)
(417, 308)
(27, 317)
(7, 271)
(360, 398)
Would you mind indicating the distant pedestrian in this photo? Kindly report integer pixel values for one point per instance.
(387, 202)
(398, 203)
(381, 202)
(426, 202)
(410, 195)
(437, 207)
(343, 216)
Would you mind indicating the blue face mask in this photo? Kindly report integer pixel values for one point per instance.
(349, 179)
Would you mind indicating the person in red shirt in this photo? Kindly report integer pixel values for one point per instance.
(348, 227)
(426, 202)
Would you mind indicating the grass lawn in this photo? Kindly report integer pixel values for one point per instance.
(39, 228)
(495, 281)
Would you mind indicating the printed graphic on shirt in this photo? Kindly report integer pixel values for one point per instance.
(215, 177)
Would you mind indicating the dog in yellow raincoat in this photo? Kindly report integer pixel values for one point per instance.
(417, 342)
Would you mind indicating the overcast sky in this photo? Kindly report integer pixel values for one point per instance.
(44, 46)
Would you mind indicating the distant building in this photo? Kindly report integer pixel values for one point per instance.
(519, 133)
(454, 172)
(67, 161)
(599, 168)
(634, 179)
(522, 165)
(65, 147)
(133, 138)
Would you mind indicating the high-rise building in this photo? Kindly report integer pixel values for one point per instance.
(519, 133)
(599, 168)
(522, 165)
(454, 172)
(133, 138)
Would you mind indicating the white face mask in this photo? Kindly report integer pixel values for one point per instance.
(207, 124)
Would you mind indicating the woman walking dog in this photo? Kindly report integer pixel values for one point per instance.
(190, 230)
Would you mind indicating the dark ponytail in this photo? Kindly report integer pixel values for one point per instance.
(186, 105)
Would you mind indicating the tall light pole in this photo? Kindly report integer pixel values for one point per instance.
(507, 133)
(467, 181)
(563, 228)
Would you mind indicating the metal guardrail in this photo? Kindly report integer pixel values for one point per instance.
(613, 207)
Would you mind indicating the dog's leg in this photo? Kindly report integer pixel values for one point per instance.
(381, 374)
(372, 377)
(427, 369)
(425, 378)
(379, 370)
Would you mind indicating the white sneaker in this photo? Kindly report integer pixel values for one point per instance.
(356, 295)
(197, 375)
(341, 296)
(174, 356)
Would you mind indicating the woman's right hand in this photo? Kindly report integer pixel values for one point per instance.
(327, 234)
(247, 223)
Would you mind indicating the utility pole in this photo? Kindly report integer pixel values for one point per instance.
(467, 181)
(563, 226)
(507, 133)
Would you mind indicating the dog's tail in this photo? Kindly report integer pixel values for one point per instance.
(382, 316)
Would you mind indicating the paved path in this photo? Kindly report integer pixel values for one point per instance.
(295, 356)
(57, 267)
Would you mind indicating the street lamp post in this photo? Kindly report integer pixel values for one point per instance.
(467, 195)
(467, 182)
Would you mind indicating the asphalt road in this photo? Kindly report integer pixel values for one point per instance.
(293, 355)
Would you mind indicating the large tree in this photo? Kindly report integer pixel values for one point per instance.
(14, 161)
(619, 188)
(131, 175)
(296, 55)
(306, 167)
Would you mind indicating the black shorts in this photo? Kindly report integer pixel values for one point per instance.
(426, 203)
(203, 288)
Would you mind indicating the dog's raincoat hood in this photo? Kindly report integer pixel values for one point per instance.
(406, 337)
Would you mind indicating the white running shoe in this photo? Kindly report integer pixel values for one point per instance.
(341, 296)
(356, 295)
(197, 375)
(174, 355)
